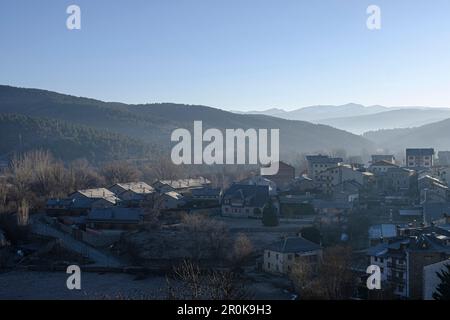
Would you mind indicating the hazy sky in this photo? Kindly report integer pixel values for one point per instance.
(232, 54)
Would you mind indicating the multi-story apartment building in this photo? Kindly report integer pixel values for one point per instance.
(402, 260)
(333, 176)
(319, 163)
(419, 158)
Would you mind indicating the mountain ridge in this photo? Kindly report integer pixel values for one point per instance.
(153, 123)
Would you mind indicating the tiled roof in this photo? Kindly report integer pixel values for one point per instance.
(115, 214)
(420, 151)
(323, 159)
(187, 183)
(384, 163)
(294, 245)
(137, 187)
(255, 196)
(211, 192)
(99, 193)
(382, 231)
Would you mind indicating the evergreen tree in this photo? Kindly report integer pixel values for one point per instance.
(269, 218)
(443, 289)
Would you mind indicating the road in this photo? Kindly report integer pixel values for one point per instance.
(100, 258)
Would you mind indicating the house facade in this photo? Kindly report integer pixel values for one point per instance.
(381, 167)
(319, 163)
(132, 194)
(280, 257)
(242, 200)
(419, 158)
(430, 278)
(402, 260)
(327, 179)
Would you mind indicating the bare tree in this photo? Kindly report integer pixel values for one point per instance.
(242, 249)
(83, 175)
(120, 171)
(190, 283)
(23, 213)
(332, 280)
(209, 237)
(164, 169)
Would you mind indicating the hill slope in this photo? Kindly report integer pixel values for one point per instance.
(66, 141)
(436, 135)
(155, 122)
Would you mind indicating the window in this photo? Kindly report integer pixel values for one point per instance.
(268, 254)
(268, 265)
(276, 256)
(289, 256)
(381, 260)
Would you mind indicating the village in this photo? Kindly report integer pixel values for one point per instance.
(281, 236)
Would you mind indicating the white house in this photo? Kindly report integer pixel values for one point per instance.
(280, 257)
(430, 278)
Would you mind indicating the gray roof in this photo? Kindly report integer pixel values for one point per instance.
(137, 187)
(187, 183)
(420, 151)
(323, 159)
(206, 191)
(382, 231)
(381, 249)
(430, 239)
(327, 204)
(115, 214)
(294, 245)
(255, 196)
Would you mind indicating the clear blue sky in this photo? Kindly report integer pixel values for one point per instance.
(232, 54)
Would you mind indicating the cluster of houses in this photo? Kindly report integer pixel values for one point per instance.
(122, 205)
(411, 244)
(410, 247)
(410, 256)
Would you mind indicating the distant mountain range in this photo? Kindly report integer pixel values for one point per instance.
(321, 112)
(358, 119)
(74, 127)
(149, 125)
